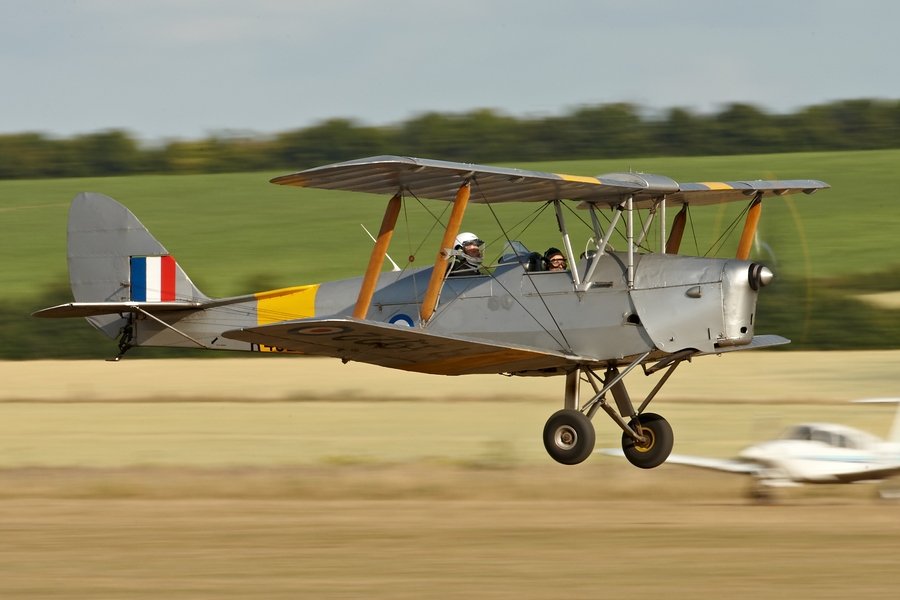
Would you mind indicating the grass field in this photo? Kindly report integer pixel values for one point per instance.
(236, 232)
(296, 478)
(410, 549)
(284, 412)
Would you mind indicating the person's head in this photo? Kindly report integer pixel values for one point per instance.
(556, 260)
(470, 248)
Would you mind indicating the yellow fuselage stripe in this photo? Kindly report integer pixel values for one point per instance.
(288, 303)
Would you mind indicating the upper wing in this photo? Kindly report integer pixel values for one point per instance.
(440, 180)
(716, 192)
(399, 347)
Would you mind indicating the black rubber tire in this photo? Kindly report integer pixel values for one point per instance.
(659, 446)
(569, 437)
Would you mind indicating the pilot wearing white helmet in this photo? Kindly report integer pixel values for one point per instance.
(467, 255)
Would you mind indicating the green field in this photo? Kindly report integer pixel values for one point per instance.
(236, 233)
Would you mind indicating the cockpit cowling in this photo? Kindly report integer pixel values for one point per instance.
(692, 302)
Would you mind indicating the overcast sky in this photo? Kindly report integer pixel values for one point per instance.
(188, 68)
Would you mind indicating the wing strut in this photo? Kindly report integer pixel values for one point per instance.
(429, 302)
(750, 224)
(376, 260)
(677, 232)
(566, 241)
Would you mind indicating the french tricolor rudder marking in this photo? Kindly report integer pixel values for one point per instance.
(153, 278)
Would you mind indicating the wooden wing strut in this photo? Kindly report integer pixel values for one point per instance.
(376, 260)
(750, 224)
(429, 302)
(677, 232)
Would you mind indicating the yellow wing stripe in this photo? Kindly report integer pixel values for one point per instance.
(716, 185)
(578, 178)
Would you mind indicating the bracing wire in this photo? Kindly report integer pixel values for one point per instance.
(716, 246)
(505, 233)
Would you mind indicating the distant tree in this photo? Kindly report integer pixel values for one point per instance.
(483, 135)
(681, 132)
(330, 141)
(111, 152)
(745, 129)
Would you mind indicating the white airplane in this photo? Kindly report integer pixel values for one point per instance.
(811, 453)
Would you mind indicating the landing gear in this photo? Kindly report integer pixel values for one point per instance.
(657, 444)
(569, 437)
(647, 438)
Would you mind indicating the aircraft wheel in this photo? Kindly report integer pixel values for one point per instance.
(660, 440)
(761, 493)
(569, 437)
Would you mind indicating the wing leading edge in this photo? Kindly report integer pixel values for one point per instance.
(440, 180)
(404, 348)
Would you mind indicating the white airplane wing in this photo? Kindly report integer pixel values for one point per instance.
(701, 462)
(729, 465)
(873, 474)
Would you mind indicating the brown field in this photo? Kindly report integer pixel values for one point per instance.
(882, 299)
(285, 478)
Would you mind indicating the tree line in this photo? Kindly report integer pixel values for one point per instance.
(484, 136)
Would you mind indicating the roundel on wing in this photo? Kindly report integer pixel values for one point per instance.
(318, 330)
(402, 320)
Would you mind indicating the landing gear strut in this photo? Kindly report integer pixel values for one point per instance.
(647, 438)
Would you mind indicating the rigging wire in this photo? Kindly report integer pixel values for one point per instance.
(565, 343)
(690, 216)
(717, 245)
(533, 216)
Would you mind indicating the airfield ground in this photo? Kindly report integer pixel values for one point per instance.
(294, 478)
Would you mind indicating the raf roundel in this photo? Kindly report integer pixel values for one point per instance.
(401, 320)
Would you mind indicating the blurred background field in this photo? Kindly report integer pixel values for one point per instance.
(236, 233)
(297, 477)
(300, 411)
(231, 229)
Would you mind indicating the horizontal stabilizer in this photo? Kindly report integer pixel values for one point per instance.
(96, 309)
(399, 347)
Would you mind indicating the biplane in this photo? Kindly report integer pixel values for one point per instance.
(608, 313)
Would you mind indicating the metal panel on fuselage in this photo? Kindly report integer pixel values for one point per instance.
(205, 326)
(692, 302)
(507, 308)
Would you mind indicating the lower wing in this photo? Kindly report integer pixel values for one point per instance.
(874, 474)
(406, 348)
(700, 462)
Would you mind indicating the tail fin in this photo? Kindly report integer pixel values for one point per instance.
(113, 258)
(894, 435)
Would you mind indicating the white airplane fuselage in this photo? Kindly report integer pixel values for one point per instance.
(817, 462)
